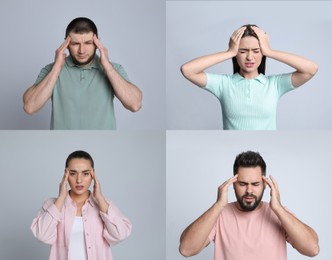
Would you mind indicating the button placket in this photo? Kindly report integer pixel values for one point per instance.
(82, 76)
(247, 90)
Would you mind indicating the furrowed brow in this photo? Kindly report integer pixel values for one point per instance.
(246, 49)
(252, 183)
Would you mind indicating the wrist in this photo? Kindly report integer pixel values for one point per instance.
(231, 53)
(61, 197)
(278, 209)
(99, 199)
(268, 52)
(219, 205)
(108, 67)
(59, 202)
(57, 66)
(103, 206)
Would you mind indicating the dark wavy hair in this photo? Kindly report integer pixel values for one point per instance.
(249, 32)
(249, 159)
(81, 25)
(79, 155)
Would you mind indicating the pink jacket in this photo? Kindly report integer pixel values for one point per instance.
(101, 230)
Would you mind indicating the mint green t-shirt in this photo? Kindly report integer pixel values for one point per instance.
(248, 104)
(83, 96)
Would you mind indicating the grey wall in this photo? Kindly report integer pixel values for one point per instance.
(130, 167)
(200, 161)
(133, 31)
(197, 28)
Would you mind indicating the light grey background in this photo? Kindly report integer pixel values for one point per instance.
(197, 28)
(199, 161)
(133, 31)
(130, 167)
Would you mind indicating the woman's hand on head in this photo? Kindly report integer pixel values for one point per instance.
(101, 201)
(96, 187)
(234, 41)
(264, 41)
(63, 191)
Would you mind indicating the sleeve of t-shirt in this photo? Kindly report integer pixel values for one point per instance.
(284, 83)
(212, 234)
(121, 71)
(43, 73)
(215, 83)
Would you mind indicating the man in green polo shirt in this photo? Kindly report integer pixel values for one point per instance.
(82, 86)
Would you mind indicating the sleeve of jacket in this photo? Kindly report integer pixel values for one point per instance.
(116, 226)
(44, 226)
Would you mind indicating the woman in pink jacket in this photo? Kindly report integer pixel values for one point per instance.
(79, 224)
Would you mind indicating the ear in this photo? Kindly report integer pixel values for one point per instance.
(264, 183)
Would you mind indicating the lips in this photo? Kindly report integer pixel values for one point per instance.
(250, 64)
(249, 199)
(79, 187)
(82, 57)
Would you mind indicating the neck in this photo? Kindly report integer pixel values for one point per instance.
(249, 75)
(79, 198)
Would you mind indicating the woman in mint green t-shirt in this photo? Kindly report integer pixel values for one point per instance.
(249, 98)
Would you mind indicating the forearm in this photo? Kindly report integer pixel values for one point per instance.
(59, 202)
(102, 204)
(302, 237)
(300, 64)
(128, 94)
(202, 63)
(195, 237)
(37, 95)
(194, 70)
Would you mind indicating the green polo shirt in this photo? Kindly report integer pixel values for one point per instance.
(249, 104)
(83, 96)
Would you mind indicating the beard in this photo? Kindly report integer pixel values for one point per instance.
(78, 63)
(245, 206)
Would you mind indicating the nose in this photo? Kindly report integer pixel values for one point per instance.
(249, 189)
(249, 56)
(81, 48)
(79, 178)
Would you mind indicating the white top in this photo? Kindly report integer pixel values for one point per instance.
(77, 249)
